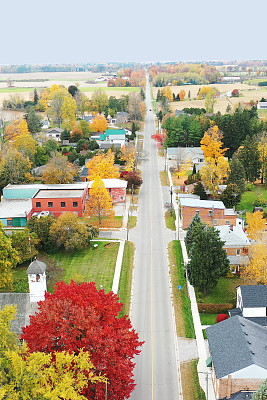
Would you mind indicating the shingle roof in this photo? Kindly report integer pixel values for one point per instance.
(36, 267)
(188, 202)
(235, 237)
(254, 295)
(237, 343)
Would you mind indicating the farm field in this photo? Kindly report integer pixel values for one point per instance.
(247, 93)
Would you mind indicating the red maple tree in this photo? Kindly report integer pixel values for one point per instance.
(78, 317)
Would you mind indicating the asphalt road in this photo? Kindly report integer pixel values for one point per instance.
(155, 371)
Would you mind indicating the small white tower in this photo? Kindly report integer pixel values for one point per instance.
(37, 280)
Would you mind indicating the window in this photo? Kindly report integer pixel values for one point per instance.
(210, 213)
(63, 204)
(197, 211)
(50, 204)
(227, 222)
(215, 222)
(75, 204)
(238, 252)
(38, 204)
(9, 222)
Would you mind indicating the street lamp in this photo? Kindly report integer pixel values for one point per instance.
(171, 193)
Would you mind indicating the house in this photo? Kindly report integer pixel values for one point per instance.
(238, 356)
(88, 118)
(251, 303)
(211, 212)
(112, 136)
(54, 133)
(14, 212)
(194, 154)
(116, 189)
(45, 124)
(120, 118)
(236, 244)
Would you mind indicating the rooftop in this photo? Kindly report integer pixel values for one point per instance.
(52, 194)
(254, 295)
(234, 236)
(237, 343)
(112, 183)
(11, 208)
(188, 202)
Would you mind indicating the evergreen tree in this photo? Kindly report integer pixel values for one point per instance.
(189, 94)
(200, 191)
(33, 121)
(231, 196)
(261, 393)
(35, 97)
(194, 170)
(142, 94)
(188, 238)
(208, 258)
(65, 135)
(237, 174)
(249, 156)
(195, 133)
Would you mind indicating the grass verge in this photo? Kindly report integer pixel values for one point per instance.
(126, 277)
(132, 221)
(115, 222)
(170, 218)
(190, 381)
(163, 178)
(183, 316)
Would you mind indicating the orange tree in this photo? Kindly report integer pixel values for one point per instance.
(99, 123)
(100, 202)
(102, 165)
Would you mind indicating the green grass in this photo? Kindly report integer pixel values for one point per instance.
(249, 197)
(190, 381)
(132, 221)
(90, 264)
(170, 219)
(163, 178)
(110, 89)
(17, 89)
(224, 292)
(207, 319)
(126, 277)
(183, 316)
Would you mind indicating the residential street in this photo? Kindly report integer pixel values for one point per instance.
(156, 370)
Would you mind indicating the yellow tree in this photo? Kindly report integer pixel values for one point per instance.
(99, 123)
(182, 95)
(256, 225)
(102, 165)
(168, 93)
(68, 112)
(100, 202)
(8, 259)
(262, 147)
(26, 145)
(128, 154)
(59, 170)
(16, 128)
(216, 166)
(256, 270)
(44, 100)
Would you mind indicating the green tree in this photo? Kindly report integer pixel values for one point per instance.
(50, 146)
(195, 133)
(14, 167)
(249, 156)
(85, 127)
(72, 89)
(40, 227)
(25, 244)
(9, 258)
(35, 97)
(231, 196)
(68, 232)
(199, 190)
(41, 157)
(261, 393)
(208, 258)
(237, 174)
(100, 99)
(189, 238)
(33, 121)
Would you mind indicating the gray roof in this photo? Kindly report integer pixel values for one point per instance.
(238, 260)
(24, 309)
(59, 194)
(36, 267)
(15, 208)
(234, 237)
(236, 343)
(54, 130)
(188, 202)
(108, 145)
(190, 151)
(254, 295)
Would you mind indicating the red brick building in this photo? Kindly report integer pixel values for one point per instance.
(116, 189)
(211, 212)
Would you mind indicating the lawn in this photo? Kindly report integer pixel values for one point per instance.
(249, 197)
(182, 308)
(91, 264)
(207, 319)
(190, 381)
(111, 223)
(163, 178)
(17, 89)
(224, 292)
(170, 218)
(132, 221)
(126, 277)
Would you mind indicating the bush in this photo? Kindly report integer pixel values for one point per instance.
(214, 308)
(249, 187)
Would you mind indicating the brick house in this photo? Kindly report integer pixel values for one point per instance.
(211, 212)
(236, 244)
(116, 189)
(251, 303)
(238, 356)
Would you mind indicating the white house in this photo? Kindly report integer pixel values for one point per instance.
(262, 105)
(54, 133)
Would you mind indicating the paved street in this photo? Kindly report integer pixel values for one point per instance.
(156, 371)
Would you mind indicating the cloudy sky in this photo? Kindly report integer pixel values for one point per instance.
(80, 31)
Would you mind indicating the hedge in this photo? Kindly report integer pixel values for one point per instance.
(214, 308)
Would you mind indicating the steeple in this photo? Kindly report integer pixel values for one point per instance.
(37, 280)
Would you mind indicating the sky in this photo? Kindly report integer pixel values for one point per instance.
(86, 31)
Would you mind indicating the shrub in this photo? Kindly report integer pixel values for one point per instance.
(210, 308)
(249, 187)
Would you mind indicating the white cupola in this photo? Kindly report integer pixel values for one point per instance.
(37, 280)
